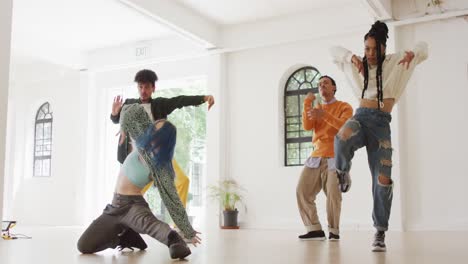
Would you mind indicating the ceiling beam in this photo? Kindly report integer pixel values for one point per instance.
(298, 27)
(179, 18)
(427, 18)
(380, 9)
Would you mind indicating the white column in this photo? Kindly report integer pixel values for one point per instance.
(5, 39)
(217, 143)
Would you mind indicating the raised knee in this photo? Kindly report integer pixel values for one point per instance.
(85, 248)
(385, 144)
(384, 180)
(349, 130)
(345, 133)
(386, 162)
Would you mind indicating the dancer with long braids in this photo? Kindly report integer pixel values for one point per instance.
(129, 214)
(378, 80)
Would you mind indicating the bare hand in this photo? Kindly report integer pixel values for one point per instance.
(210, 100)
(117, 105)
(310, 96)
(123, 135)
(358, 64)
(315, 114)
(196, 239)
(407, 59)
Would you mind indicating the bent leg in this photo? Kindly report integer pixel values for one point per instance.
(142, 220)
(101, 234)
(308, 187)
(334, 199)
(349, 139)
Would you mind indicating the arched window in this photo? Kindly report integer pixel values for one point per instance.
(43, 141)
(298, 142)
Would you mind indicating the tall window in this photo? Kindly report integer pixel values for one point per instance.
(43, 141)
(298, 142)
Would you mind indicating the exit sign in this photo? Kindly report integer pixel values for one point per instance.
(142, 52)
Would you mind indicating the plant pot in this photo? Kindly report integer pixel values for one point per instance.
(230, 219)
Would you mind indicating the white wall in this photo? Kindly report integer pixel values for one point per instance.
(433, 122)
(53, 200)
(256, 81)
(5, 37)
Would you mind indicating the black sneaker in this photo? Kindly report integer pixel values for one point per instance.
(379, 242)
(313, 235)
(344, 181)
(333, 237)
(131, 239)
(177, 247)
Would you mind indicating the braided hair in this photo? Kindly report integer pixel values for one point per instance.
(379, 32)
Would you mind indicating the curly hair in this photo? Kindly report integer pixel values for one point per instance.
(146, 76)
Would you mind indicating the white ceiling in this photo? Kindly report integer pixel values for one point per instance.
(229, 12)
(70, 27)
(65, 31)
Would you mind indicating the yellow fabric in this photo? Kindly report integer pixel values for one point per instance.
(182, 183)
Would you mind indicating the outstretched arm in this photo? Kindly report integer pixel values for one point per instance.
(170, 104)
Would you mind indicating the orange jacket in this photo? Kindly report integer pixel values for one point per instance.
(326, 128)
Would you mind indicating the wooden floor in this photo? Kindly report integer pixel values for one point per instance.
(58, 245)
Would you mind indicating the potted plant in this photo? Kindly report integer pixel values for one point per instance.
(228, 193)
(434, 6)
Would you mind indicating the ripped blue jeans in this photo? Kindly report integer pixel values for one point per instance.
(369, 128)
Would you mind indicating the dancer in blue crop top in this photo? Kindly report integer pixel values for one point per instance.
(136, 170)
(129, 214)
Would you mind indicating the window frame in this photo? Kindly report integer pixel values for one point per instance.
(46, 119)
(297, 93)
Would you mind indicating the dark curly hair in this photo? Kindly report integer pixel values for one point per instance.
(146, 76)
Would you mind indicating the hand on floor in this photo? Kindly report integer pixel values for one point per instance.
(196, 239)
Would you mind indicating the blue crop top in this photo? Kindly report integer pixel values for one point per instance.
(137, 172)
